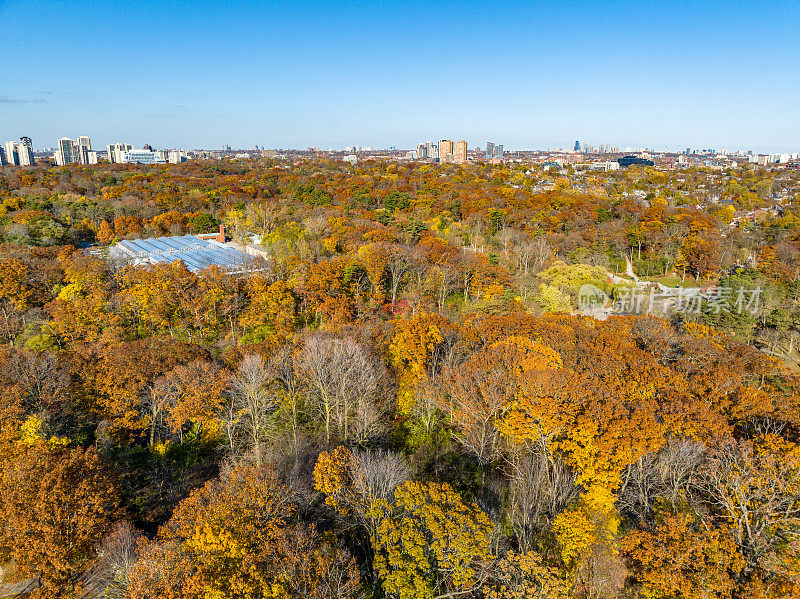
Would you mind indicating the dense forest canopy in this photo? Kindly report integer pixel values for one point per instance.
(405, 399)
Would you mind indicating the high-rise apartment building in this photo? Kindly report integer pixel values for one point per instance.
(422, 151)
(67, 152)
(12, 156)
(577, 146)
(460, 152)
(433, 150)
(489, 149)
(19, 153)
(498, 151)
(3, 160)
(445, 150)
(25, 151)
(177, 156)
(115, 152)
(84, 153)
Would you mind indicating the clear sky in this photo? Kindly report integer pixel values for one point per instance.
(330, 74)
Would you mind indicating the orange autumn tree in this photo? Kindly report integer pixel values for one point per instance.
(55, 504)
(81, 312)
(477, 393)
(682, 557)
(599, 414)
(325, 294)
(217, 304)
(105, 234)
(157, 296)
(409, 348)
(14, 283)
(121, 374)
(270, 316)
(194, 394)
(375, 258)
(239, 537)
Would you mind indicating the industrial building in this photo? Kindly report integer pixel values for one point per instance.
(194, 252)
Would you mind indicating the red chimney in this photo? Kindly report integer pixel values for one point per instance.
(221, 236)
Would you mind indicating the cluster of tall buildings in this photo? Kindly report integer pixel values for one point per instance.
(446, 151)
(80, 152)
(428, 151)
(116, 152)
(17, 153)
(584, 148)
(75, 152)
(20, 153)
(452, 153)
(494, 150)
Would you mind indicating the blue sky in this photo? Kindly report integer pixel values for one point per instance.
(331, 74)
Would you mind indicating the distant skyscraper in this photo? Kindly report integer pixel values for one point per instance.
(25, 151)
(12, 156)
(422, 151)
(577, 146)
(460, 152)
(84, 147)
(3, 160)
(19, 153)
(498, 151)
(445, 149)
(489, 149)
(433, 150)
(66, 152)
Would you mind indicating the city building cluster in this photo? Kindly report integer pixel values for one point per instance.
(75, 152)
(17, 153)
(69, 151)
(578, 155)
(449, 152)
(584, 148)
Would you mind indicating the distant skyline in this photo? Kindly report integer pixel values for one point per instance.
(334, 74)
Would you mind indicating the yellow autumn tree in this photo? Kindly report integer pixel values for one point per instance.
(356, 483)
(430, 543)
(525, 576)
(271, 313)
(599, 416)
(409, 348)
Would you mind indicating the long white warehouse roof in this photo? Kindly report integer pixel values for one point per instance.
(196, 253)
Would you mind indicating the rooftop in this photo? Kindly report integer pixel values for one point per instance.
(196, 253)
